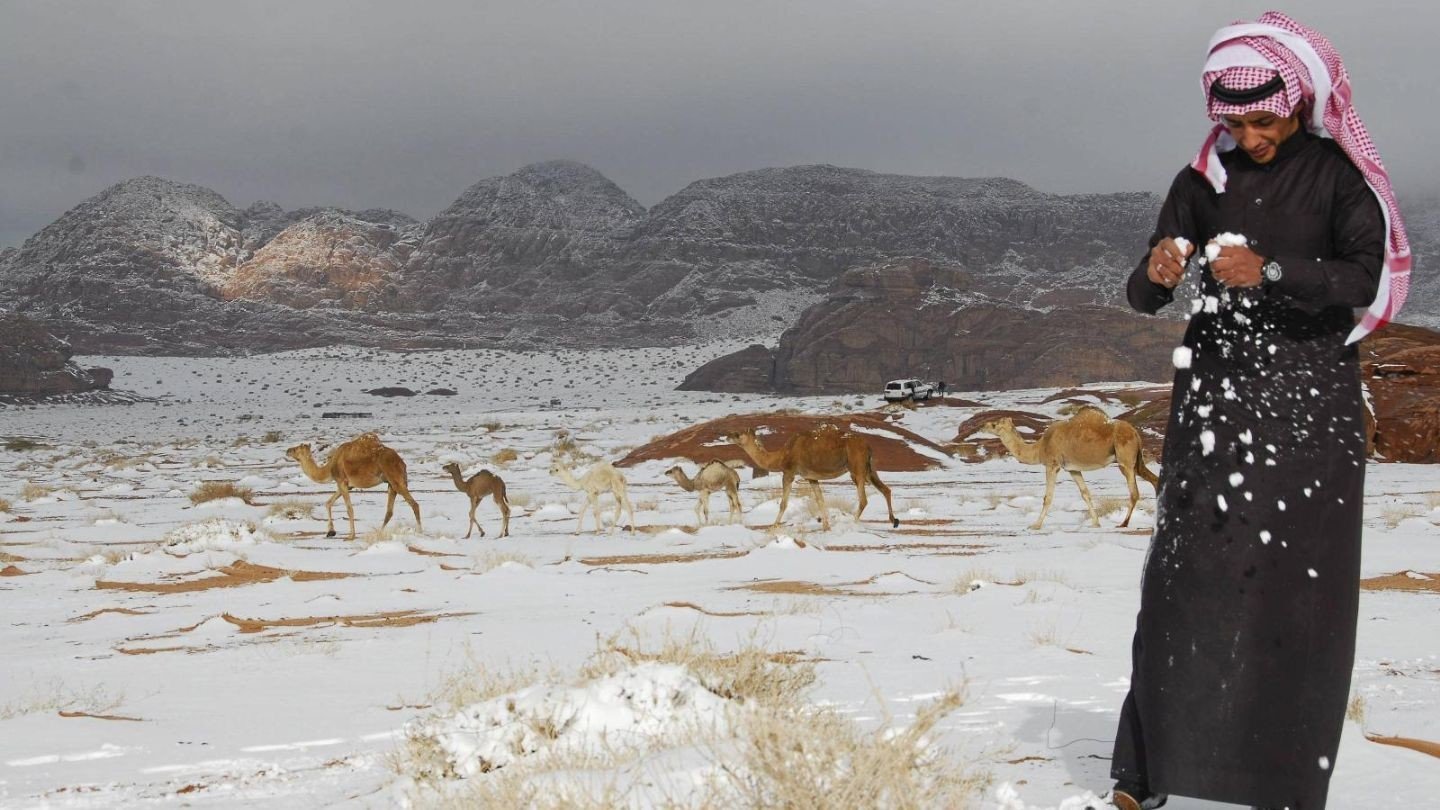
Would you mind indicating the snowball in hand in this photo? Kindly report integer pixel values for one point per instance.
(1184, 245)
(1224, 240)
(1181, 357)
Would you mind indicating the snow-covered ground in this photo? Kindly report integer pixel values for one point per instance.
(129, 677)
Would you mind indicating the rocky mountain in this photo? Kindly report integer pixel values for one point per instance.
(556, 254)
(942, 322)
(34, 363)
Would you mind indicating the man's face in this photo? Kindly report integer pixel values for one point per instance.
(1260, 133)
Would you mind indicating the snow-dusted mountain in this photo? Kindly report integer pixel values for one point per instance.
(556, 254)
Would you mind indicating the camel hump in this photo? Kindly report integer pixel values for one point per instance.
(1090, 413)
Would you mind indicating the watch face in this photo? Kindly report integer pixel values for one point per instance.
(1271, 271)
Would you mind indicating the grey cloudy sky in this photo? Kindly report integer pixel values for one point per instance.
(404, 105)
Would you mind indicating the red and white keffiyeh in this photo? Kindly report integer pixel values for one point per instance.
(1247, 55)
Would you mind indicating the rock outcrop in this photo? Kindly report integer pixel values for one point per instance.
(916, 319)
(34, 363)
(1401, 369)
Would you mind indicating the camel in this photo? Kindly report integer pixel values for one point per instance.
(602, 477)
(477, 487)
(1089, 440)
(817, 455)
(359, 463)
(714, 476)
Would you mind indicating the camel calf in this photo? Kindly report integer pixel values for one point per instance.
(602, 477)
(715, 475)
(478, 486)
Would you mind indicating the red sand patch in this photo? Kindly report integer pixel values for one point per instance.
(706, 441)
(399, 618)
(12, 571)
(1423, 746)
(719, 613)
(101, 612)
(1402, 581)
(798, 587)
(231, 576)
(657, 559)
(101, 716)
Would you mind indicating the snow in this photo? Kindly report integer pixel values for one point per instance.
(296, 686)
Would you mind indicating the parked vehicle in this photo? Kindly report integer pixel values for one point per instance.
(901, 390)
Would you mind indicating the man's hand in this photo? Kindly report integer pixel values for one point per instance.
(1237, 267)
(1167, 263)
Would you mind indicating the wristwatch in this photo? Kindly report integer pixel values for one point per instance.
(1270, 271)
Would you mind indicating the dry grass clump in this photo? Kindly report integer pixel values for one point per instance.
(1355, 710)
(57, 696)
(966, 582)
(494, 559)
(1396, 513)
(291, 509)
(1046, 635)
(34, 492)
(272, 436)
(5, 505)
(1026, 576)
(504, 456)
(20, 444)
(520, 499)
(817, 758)
(215, 490)
(780, 750)
(1110, 504)
(381, 534)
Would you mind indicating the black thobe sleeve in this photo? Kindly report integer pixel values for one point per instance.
(1351, 276)
(1177, 218)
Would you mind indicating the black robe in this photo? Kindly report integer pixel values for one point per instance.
(1246, 634)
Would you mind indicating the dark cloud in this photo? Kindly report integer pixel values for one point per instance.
(361, 104)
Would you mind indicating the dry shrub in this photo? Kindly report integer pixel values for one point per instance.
(504, 456)
(390, 532)
(20, 444)
(291, 509)
(816, 758)
(1025, 576)
(215, 490)
(1111, 503)
(34, 492)
(5, 505)
(1047, 635)
(272, 436)
(646, 504)
(120, 461)
(491, 427)
(749, 675)
(521, 499)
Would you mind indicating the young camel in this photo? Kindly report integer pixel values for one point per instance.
(817, 455)
(359, 463)
(602, 477)
(714, 476)
(477, 487)
(1089, 440)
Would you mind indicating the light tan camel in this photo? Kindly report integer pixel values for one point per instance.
(602, 477)
(817, 455)
(713, 477)
(479, 485)
(359, 463)
(1089, 440)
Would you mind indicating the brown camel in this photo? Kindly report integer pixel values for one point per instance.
(714, 476)
(1089, 440)
(359, 463)
(479, 485)
(817, 455)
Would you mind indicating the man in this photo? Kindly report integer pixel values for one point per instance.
(1246, 633)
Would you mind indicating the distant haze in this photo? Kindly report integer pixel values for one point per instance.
(381, 104)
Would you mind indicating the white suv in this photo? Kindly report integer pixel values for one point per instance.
(900, 390)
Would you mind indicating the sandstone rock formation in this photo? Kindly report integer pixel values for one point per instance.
(1401, 369)
(34, 363)
(916, 319)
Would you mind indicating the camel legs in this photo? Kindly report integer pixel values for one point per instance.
(874, 478)
(580, 523)
(473, 524)
(736, 511)
(349, 509)
(330, 513)
(702, 507)
(1050, 473)
(786, 479)
(503, 501)
(629, 508)
(1085, 493)
(820, 504)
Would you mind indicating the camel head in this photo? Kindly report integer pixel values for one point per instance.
(298, 452)
(557, 467)
(741, 436)
(451, 468)
(997, 426)
(675, 472)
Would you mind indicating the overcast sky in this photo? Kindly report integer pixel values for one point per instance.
(404, 105)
